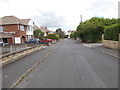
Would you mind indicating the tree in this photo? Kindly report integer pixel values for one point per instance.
(112, 32)
(60, 33)
(92, 30)
(38, 34)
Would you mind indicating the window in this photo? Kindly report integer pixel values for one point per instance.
(1, 29)
(21, 27)
(31, 28)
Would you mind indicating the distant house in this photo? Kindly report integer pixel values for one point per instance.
(29, 28)
(45, 30)
(12, 30)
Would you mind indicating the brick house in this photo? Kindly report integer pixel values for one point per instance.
(12, 30)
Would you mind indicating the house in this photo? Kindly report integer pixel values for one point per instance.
(29, 28)
(12, 30)
(45, 30)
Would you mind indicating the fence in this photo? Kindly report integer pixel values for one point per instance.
(16, 47)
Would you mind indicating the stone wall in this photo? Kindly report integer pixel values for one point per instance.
(110, 43)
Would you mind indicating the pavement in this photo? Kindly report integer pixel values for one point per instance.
(13, 71)
(100, 47)
(70, 65)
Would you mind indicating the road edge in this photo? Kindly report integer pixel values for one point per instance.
(101, 51)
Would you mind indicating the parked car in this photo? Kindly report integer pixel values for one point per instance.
(46, 40)
(35, 40)
(49, 40)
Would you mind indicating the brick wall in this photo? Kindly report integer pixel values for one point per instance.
(16, 29)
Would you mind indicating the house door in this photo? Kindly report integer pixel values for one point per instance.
(22, 39)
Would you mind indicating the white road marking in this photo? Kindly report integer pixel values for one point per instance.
(6, 76)
(87, 45)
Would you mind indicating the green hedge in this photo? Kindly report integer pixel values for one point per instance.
(53, 36)
(91, 32)
(112, 32)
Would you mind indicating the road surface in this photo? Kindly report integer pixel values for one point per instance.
(70, 65)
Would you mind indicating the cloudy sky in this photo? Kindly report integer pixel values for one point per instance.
(55, 14)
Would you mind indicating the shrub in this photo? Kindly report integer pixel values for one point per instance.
(112, 32)
(91, 32)
(53, 36)
(38, 34)
(57, 37)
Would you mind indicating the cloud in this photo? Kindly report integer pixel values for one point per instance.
(49, 19)
(4, 1)
(104, 8)
(59, 13)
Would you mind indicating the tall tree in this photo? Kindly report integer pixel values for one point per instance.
(60, 33)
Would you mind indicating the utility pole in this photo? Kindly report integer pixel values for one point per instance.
(81, 18)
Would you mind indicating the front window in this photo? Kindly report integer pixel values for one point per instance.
(31, 28)
(1, 29)
(21, 27)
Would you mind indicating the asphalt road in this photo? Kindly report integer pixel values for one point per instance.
(70, 65)
(13, 71)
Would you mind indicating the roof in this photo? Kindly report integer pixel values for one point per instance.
(26, 21)
(10, 20)
(44, 29)
(36, 27)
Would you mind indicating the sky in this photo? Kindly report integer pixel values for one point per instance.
(64, 14)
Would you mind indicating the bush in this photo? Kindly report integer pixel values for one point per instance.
(53, 36)
(91, 32)
(57, 37)
(38, 34)
(112, 32)
(66, 36)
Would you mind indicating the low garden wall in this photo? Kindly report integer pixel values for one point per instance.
(110, 43)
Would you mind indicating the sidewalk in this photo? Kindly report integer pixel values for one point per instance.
(98, 46)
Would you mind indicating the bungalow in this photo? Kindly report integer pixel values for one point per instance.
(13, 30)
(29, 28)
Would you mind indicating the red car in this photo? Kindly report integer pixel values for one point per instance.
(47, 40)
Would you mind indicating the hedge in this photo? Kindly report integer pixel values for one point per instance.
(112, 32)
(53, 36)
(91, 32)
